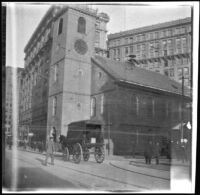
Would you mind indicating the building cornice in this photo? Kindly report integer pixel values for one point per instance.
(150, 40)
(40, 25)
(150, 28)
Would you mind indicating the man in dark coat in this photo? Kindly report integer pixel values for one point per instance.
(50, 149)
(148, 152)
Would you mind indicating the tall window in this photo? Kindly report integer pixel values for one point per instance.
(131, 49)
(60, 27)
(151, 50)
(184, 44)
(126, 50)
(178, 45)
(151, 35)
(56, 72)
(143, 37)
(169, 32)
(133, 104)
(118, 52)
(54, 106)
(156, 49)
(126, 40)
(160, 110)
(156, 35)
(146, 108)
(186, 71)
(115, 52)
(81, 25)
(102, 104)
(93, 106)
(149, 107)
(164, 45)
(170, 48)
(118, 42)
(164, 33)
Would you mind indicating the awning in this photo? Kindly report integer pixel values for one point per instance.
(178, 126)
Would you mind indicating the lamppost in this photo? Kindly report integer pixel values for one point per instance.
(182, 96)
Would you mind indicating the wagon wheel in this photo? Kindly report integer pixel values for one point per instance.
(86, 154)
(99, 154)
(66, 154)
(77, 153)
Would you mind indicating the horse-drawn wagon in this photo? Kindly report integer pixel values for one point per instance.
(83, 138)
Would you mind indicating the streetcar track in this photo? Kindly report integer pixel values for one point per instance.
(110, 179)
(138, 186)
(138, 172)
(114, 180)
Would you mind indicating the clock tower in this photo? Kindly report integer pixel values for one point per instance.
(70, 71)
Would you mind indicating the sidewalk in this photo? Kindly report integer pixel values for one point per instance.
(140, 160)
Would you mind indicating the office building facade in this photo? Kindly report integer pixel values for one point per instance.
(164, 48)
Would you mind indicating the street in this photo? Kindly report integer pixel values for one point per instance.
(87, 176)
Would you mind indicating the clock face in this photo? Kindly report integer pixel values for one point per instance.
(80, 46)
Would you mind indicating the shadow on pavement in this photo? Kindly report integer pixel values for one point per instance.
(34, 178)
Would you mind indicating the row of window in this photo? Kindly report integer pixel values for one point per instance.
(150, 36)
(93, 106)
(144, 106)
(154, 49)
(38, 46)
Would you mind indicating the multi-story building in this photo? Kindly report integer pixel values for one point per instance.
(164, 48)
(137, 105)
(44, 56)
(8, 102)
(9, 96)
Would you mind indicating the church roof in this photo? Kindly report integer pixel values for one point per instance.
(124, 72)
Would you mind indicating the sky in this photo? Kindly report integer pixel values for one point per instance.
(23, 18)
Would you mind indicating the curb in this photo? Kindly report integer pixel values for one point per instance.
(163, 163)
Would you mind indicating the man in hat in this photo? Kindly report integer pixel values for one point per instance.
(50, 149)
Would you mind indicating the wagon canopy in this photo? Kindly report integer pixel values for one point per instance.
(77, 129)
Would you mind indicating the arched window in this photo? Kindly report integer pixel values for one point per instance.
(54, 106)
(93, 106)
(60, 27)
(53, 133)
(81, 25)
(56, 72)
(102, 104)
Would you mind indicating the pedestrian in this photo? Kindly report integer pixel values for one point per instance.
(145, 153)
(148, 152)
(178, 151)
(157, 152)
(50, 149)
(183, 152)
